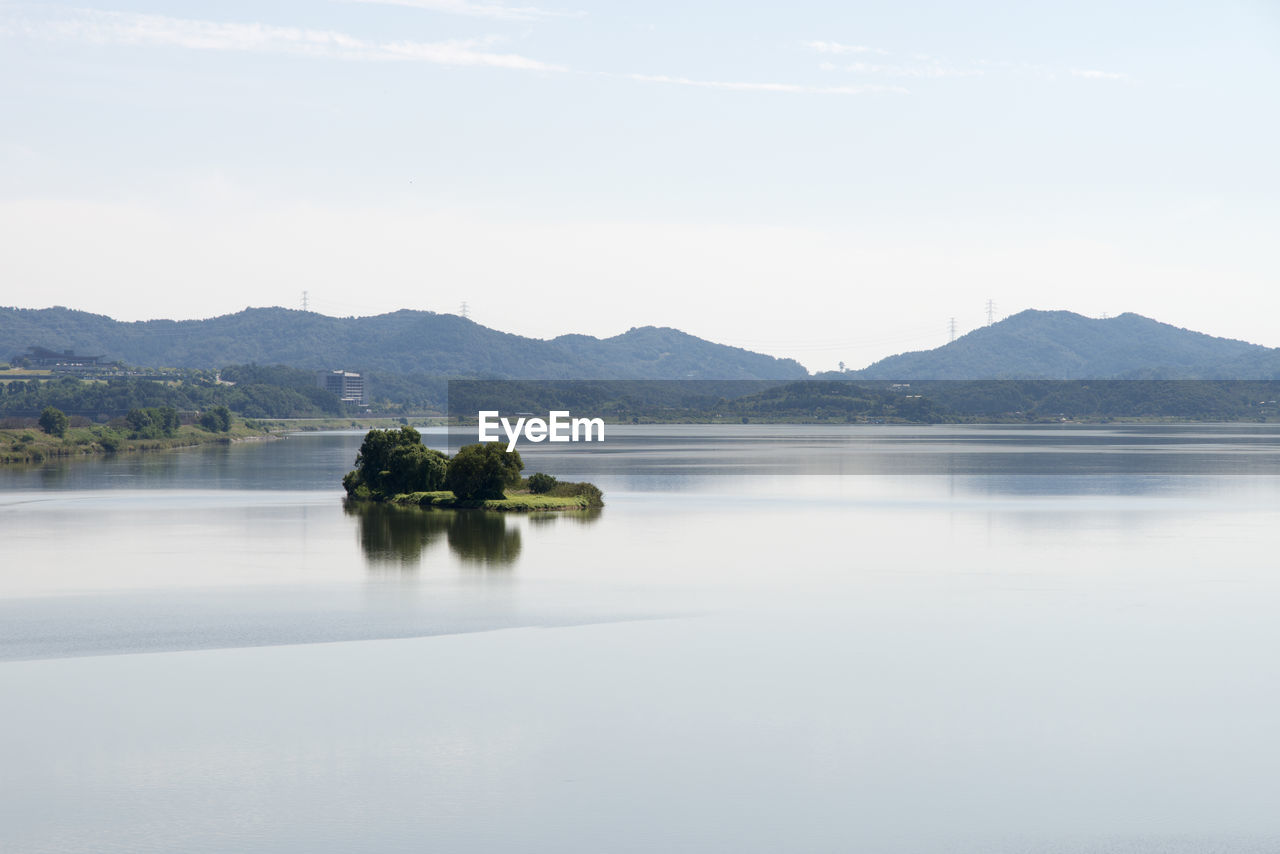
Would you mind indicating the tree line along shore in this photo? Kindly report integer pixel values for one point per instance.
(263, 393)
(102, 415)
(55, 435)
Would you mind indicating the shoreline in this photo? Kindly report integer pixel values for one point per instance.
(31, 446)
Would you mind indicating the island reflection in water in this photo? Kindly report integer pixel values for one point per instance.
(398, 536)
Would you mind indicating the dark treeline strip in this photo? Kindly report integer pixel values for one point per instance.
(848, 401)
(283, 392)
(617, 399)
(1095, 399)
(257, 393)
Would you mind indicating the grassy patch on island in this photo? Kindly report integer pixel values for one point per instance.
(520, 502)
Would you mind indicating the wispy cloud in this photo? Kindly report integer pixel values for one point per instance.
(922, 71)
(497, 11)
(838, 48)
(918, 65)
(1095, 74)
(923, 66)
(741, 86)
(129, 29)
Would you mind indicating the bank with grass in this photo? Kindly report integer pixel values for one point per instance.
(32, 445)
(519, 501)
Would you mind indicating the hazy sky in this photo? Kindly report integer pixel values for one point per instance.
(827, 181)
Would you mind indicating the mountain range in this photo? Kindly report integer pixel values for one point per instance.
(1028, 345)
(1067, 346)
(402, 342)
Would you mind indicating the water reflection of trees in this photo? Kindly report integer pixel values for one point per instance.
(479, 537)
(399, 535)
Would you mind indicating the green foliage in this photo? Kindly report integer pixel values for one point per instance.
(54, 421)
(483, 471)
(277, 391)
(109, 440)
(540, 483)
(216, 420)
(153, 422)
(588, 492)
(391, 462)
(832, 400)
(518, 503)
(194, 391)
(414, 468)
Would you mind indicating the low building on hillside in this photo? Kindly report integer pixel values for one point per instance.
(346, 385)
(67, 361)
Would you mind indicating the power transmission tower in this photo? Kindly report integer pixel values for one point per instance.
(305, 302)
(464, 310)
(991, 312)
(953, 329)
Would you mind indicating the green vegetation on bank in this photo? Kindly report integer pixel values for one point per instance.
(278, 393)
(394, 466)
(28, 445)
(363, 422)
(250, 391)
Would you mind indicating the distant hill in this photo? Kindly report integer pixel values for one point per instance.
(419, 344)
(403, 342)
(1064, 345)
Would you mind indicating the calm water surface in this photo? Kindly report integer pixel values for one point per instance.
(771, 639)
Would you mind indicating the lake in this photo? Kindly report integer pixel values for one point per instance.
(772, 638)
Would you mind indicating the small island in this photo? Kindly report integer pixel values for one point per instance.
(393, 466)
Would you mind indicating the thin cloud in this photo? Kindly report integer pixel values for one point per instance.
(924, 66)
(921, 67)
(838, 48)
(933, 70)
(1095, 74)
(496, 11)
(797, 88)
(138, 30)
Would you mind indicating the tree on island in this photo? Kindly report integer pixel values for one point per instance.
(482, 472)
(540, 483)
(54, 421)
(394, 465)
(391, 462)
